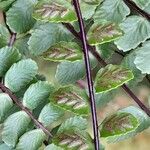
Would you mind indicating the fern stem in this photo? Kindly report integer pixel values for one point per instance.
(72, 30)
(20, 105)
(12, 35)
(88, 73)
(5, 21)
(102, 61)
(12, 39)
(132, 5)
(143, 107)
(120, 53)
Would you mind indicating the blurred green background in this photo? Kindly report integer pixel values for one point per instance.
(141, 141)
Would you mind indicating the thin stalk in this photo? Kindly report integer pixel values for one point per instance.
(88, 73)
(20, 105)
(102, 61)
(12, 35)
(72, 30)
(143, 107)
(12, 39)
(132, 5)
(5, 21)
(120, 53)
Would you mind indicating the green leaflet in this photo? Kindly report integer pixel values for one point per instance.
(115, 11)
(142, 58)
(73, 141)
(36, 94)
(69, 51)
(8, 56)
(147, 8)
(88, 7)
(106, 50)
(142, 3)
(70, 72)
(128, 62)
(22, 45)
(50, 114)
(5, 4)
(14, 127)
(76, 123)
(46, 36)
(19, 16)
(12, 110)
(136, 29)
(31, 140)
(92, 2)
(63, 11)
(83, 146)
(71, 99)
(117, 124)
(102, 99)
(20, 74)
(55, 11)
(5, 105)
(111, 77)
(124, 124)
(5, 147)
(104, 32)
(4, 36)
(53, 147)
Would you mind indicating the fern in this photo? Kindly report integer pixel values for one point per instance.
(38, 114)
